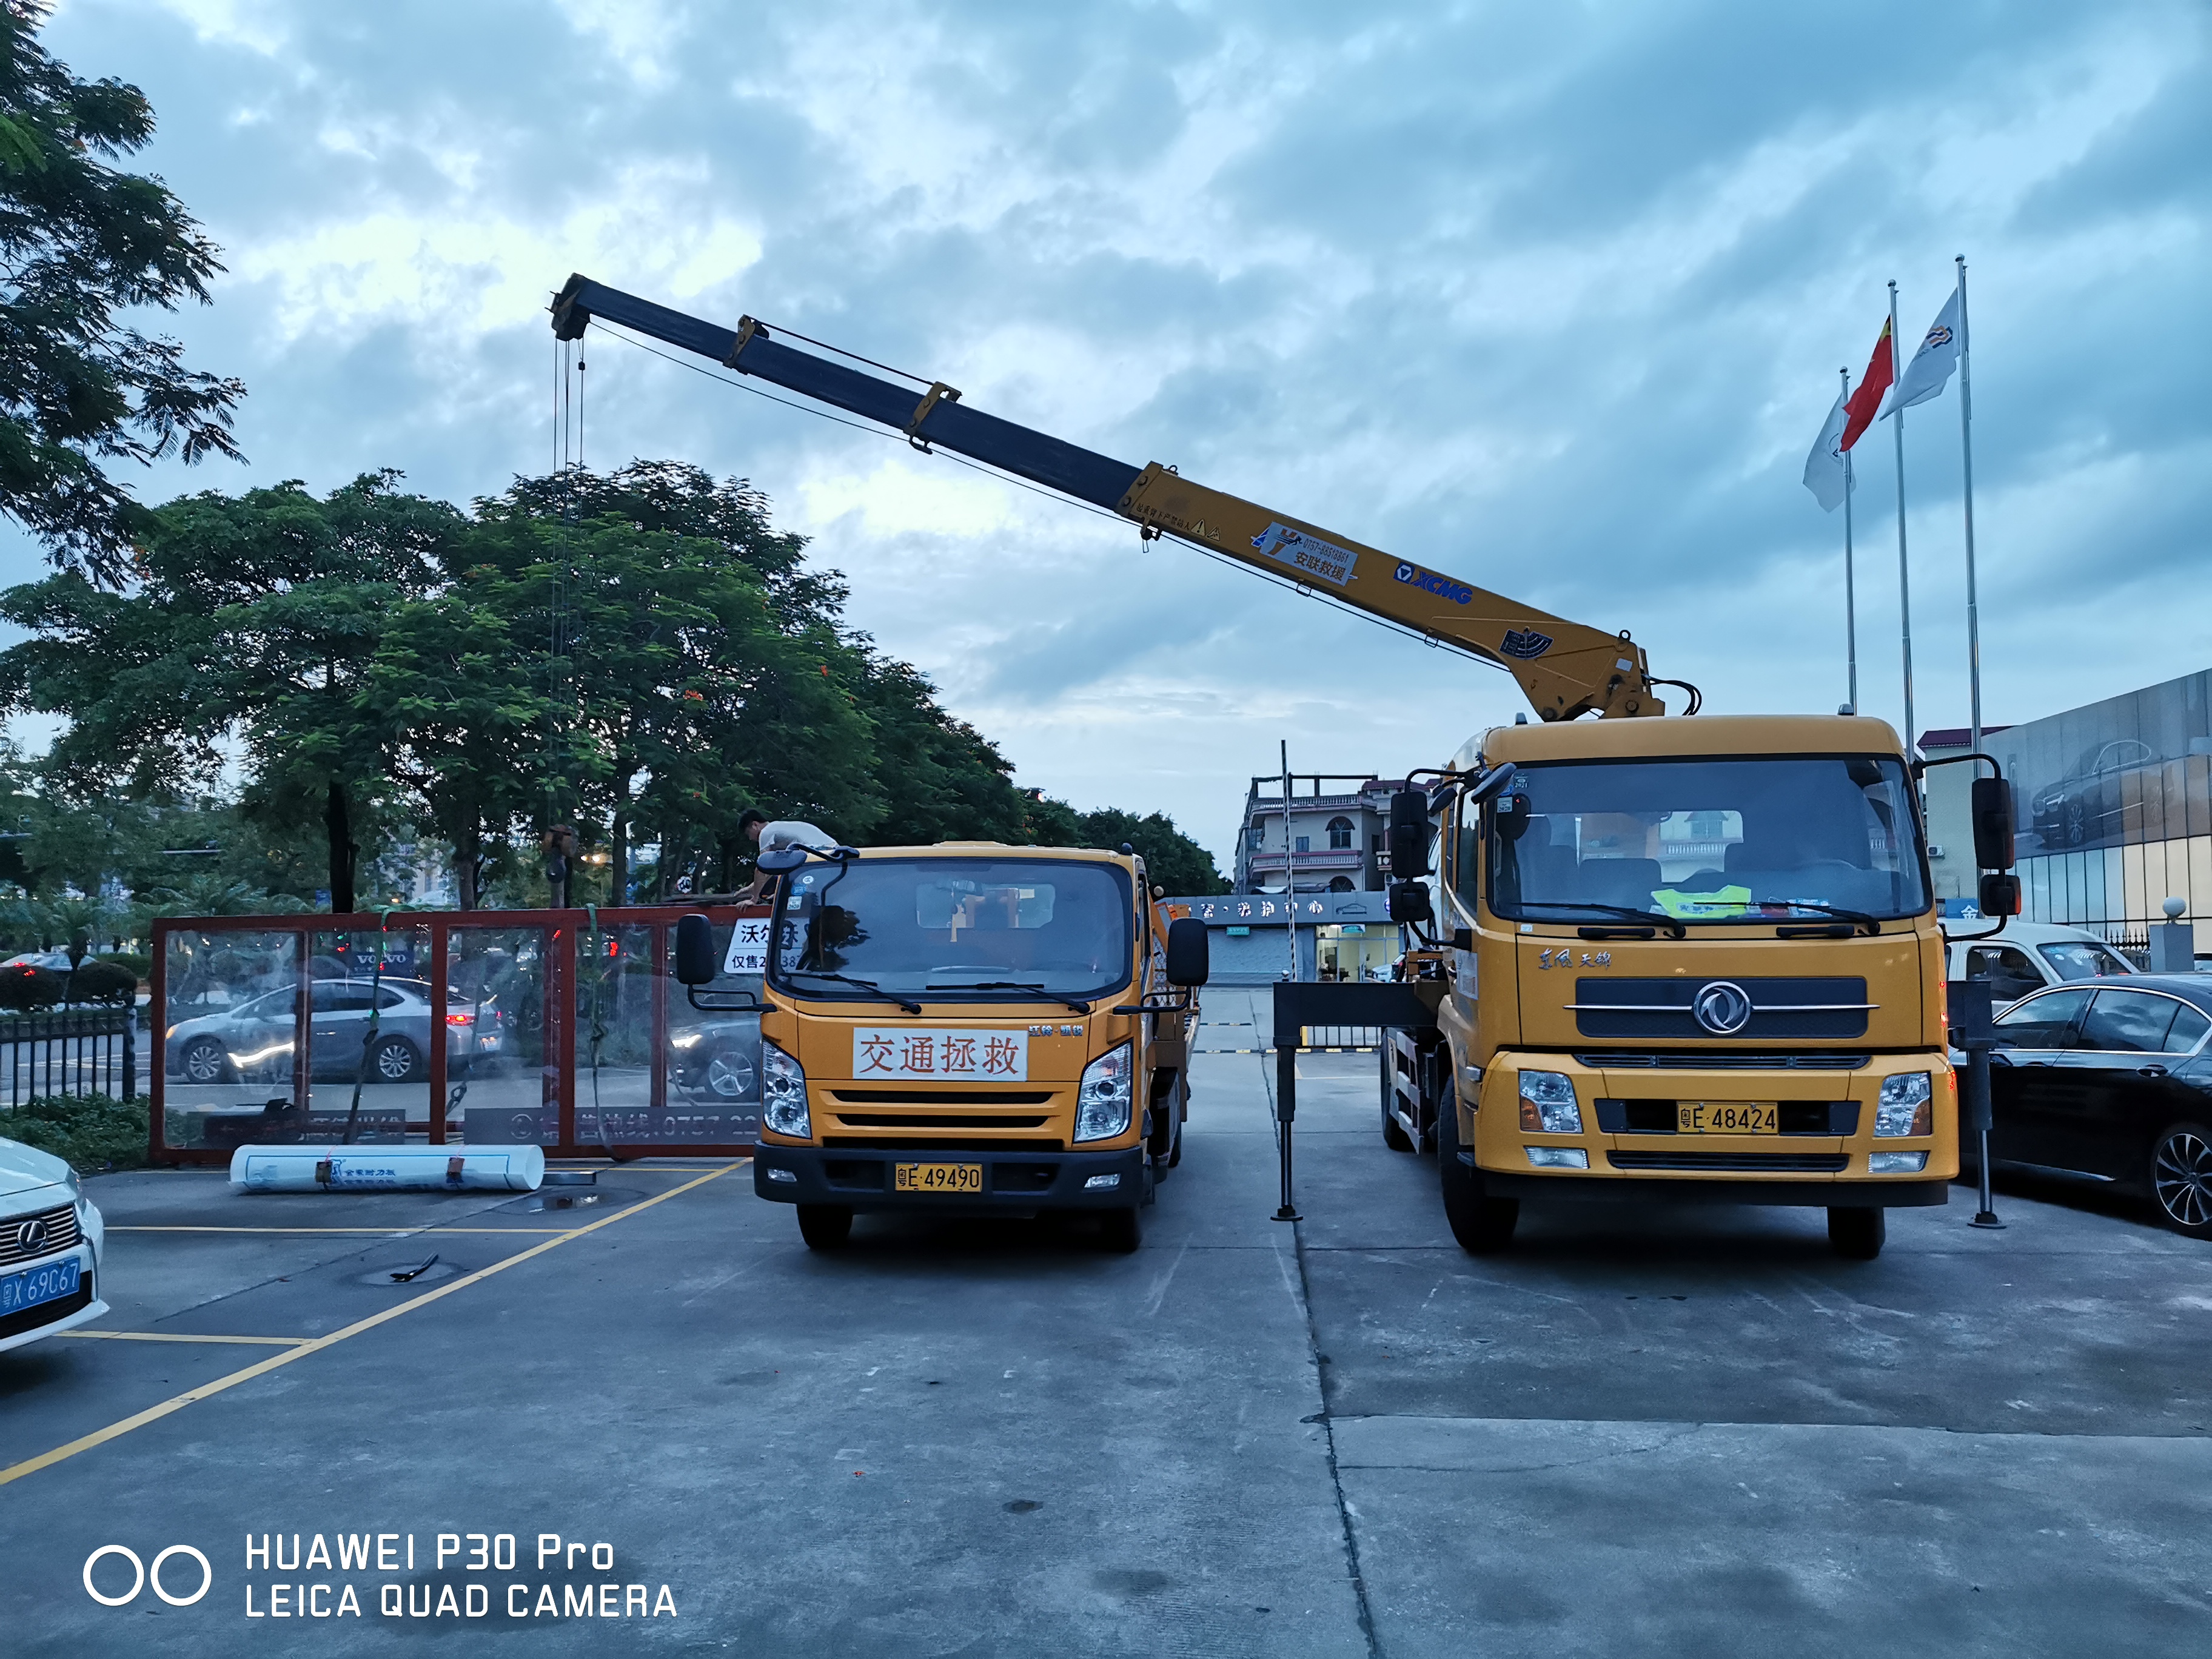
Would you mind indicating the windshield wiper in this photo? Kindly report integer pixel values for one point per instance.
(1869, 923)
(1076, 1003)
(1672, 924)
(865, 984)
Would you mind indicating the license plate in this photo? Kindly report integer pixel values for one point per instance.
(48, 1283)
(937, 1178)
(1726, 1117)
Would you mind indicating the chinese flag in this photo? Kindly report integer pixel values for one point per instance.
(1881, 370)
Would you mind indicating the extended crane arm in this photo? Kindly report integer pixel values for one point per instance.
(1564, 668)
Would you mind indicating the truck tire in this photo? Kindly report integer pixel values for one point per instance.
(1482, 1225)
(1121, 1231)
(1394, 1136)
(1857, 1234)
(825, 1226)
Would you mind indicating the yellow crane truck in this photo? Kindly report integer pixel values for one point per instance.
(1682, 958)
(966, 1027)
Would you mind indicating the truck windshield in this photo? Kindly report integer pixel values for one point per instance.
(1712, 840)
(979, 929)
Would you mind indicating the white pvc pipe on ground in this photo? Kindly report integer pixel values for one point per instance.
(306, 1168)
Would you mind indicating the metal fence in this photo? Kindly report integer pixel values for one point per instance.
(563, 1029)
(70, 1051)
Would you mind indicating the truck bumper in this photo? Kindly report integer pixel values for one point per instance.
(1014, 1182)
(1818, 1194)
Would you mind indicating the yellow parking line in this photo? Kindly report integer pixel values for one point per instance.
(316, 1345)
(166, 1336)
(379, 1232)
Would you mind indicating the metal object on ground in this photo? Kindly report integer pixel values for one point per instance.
(308, 1168)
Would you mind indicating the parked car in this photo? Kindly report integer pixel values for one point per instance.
(253, 1039)
(54, 961)
(2088, 805)
(2029, 956)
(719, 1060)
(2111, 1082)
(51, 1242)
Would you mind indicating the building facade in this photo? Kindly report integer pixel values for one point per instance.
(1339, 935)
(1332, 838)
(2113, 806)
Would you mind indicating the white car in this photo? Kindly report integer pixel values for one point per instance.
(51, 1242)
(2027, 956)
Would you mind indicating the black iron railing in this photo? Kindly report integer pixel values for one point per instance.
(69, 1051)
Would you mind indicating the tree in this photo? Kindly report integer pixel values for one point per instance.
(80, 241)
(1172, 859)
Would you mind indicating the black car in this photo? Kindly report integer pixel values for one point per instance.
(2111, 1081)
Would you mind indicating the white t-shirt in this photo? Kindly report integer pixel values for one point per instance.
(794, 832)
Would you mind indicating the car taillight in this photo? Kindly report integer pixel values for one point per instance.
(461, 1019)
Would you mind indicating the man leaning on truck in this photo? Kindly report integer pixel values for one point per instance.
(770, 833)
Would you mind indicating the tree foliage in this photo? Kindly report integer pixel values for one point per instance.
(82, 240)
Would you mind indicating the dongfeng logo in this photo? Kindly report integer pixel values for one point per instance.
(1722, 1008)
(31, 1237)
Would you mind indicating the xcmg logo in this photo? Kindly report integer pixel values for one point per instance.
(1430, 582)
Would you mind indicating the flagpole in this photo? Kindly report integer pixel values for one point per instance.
(1966, 451)
(1903, 569)
(1850, 597)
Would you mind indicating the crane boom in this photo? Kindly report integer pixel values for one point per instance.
(1564, 668)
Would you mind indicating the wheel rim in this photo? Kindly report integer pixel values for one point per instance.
(394, 1063)
(201, 1064)
(730, 1076)
(2182, 1173)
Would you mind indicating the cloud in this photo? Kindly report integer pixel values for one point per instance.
(1551, 300)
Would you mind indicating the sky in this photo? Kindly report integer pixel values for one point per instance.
(1549, 298)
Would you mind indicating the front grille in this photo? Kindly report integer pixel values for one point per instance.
(908, 1144)
(940, 1097)
(45, 1312)
(1780, 1008)
(61, 1234)
(935, 1121)
(1721, 1059)
(1745, 1163)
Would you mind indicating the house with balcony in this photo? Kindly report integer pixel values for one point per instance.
(1328, 835)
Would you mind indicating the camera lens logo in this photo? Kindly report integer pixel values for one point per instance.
(1722, 1008)
(141, 1574)
(31, 1237)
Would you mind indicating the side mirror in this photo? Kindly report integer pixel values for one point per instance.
(2000, 896)
(1409, 902)
(1993, 828)
(1462, 939)
(1409, 834)
(695, 950)
(1187, 951)
(780, 861)
(1510, 817)
(1489, 784)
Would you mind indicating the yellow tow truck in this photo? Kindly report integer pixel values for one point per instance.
(1690, 958)
(967, 1027)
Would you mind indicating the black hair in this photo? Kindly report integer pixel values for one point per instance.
(748, 817)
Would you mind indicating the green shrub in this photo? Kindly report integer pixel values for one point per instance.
(92, 1132)
(23, 989)
(135, 963)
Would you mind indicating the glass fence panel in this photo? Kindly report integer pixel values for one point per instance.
(711, 1078)
(371, 1029)
(509, 1091)
(229, 1021)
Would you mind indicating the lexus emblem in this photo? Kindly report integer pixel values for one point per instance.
(1722, 1008)
(31, 1237)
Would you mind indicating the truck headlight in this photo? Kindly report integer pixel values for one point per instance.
(783, 1093)
(1103, 1099)
(1896, 1163)
(1547, 1104)
(1906, 1106)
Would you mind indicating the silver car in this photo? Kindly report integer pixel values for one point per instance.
(51, 1242)
(253, 1039)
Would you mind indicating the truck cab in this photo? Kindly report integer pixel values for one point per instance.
(973, 1027)
(1691, 959)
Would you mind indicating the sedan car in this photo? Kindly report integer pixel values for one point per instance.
(253, 1039)
(2111, 1082)
(718, 1059)
(50, 1241)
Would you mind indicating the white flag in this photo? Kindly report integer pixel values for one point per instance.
(1929, 371)
(1824, 467)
